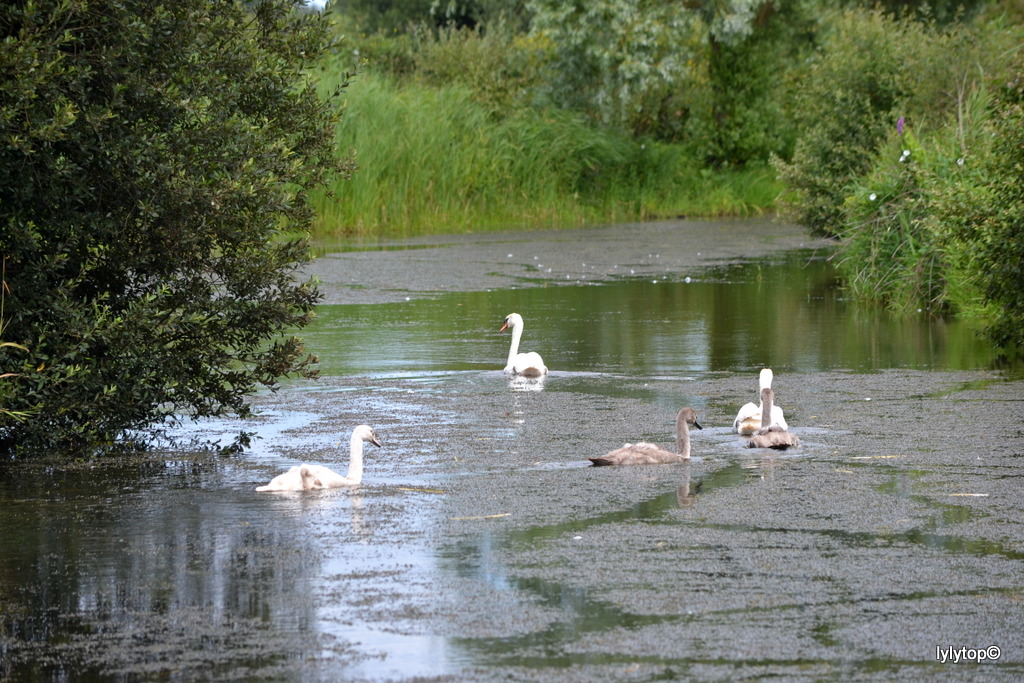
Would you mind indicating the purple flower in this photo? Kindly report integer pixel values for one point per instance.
(899, 125)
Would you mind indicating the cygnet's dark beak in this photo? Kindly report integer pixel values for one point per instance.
(696, 424)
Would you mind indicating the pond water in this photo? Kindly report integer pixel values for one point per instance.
(787, 311)
(481, 546)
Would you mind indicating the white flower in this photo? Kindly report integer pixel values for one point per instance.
(873, 196)
(960, 161)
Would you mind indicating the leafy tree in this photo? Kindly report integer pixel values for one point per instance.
(854, 91)
(751, 52)
(705, 70)
(154, 161)
(617, 61)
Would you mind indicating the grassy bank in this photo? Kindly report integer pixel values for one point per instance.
(433, 160)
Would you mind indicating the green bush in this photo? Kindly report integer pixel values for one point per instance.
(618, 62)
(152, 158)
(873, 70)
(389, 17)
(888, 254)
(981, 216)
(738, 112)
(930, 225)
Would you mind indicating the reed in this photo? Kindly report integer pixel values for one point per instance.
(432, 159)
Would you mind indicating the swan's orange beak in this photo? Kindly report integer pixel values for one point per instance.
(504, 327)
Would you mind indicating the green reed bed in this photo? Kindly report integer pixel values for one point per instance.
(434, 160)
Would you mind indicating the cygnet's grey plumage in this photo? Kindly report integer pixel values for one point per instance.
(644, 453)
(773, 436)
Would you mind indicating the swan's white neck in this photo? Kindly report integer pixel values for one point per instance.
(513, 350)
(355, 462)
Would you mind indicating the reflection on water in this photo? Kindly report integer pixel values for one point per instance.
(520, 383)
(112, 569)
(157, 555)
(790, 314)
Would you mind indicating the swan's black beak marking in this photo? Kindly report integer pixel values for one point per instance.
(375, 442)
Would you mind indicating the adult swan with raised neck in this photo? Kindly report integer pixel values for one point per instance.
(307, 477)
(525, 364)
(748, 419)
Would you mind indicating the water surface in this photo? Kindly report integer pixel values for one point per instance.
(482, 547)
(788, 312)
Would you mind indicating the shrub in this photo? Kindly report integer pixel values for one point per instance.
(981, 216)
(738, 111)
(499, 67)
(153, 159)
(873, 70)
(889, 256)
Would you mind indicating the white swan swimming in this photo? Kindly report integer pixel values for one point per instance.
(748, 420)
(525, 364)
(644, 453)
(306, 477)
(773, 436)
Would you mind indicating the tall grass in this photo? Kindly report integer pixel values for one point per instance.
(432, 159)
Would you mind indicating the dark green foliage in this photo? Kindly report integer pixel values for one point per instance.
(497, 65)
(389, 16)
(981, 217)
(929, 216)
(153, 158)
(747, 118)
(394, 16)
(872, 70)
(1000, 237)
(849, 101)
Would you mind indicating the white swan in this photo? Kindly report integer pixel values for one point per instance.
(748, 420)
(773, 436)
(306, 477)
(525, 364)
(644, 453)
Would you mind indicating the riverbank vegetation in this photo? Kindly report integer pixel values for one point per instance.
(434, 159)
(887, 126)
